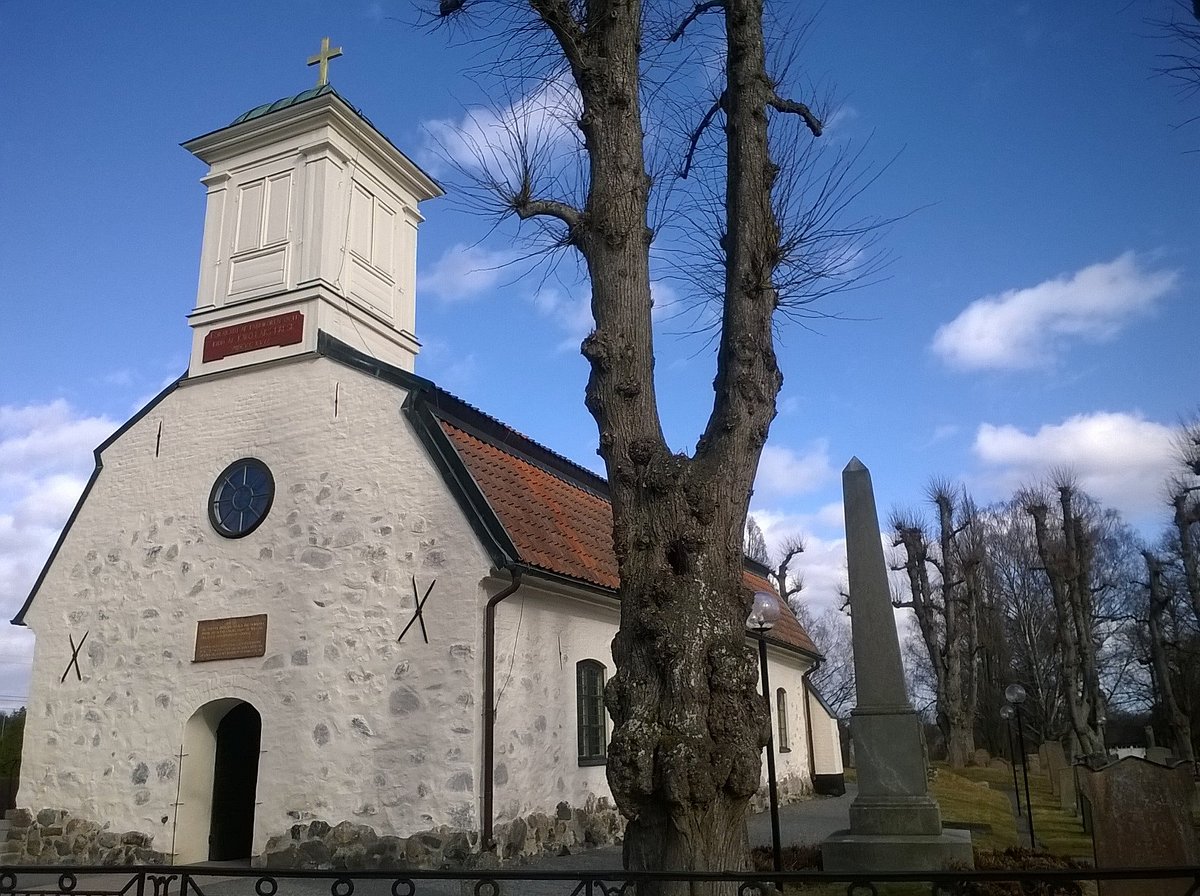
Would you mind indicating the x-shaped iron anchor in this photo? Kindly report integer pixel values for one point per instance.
(417, 617)
(74, 657)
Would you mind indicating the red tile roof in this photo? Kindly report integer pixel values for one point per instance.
(561, 527)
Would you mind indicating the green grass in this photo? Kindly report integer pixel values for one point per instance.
(976, 801)
(1057, 832)
(977, 797)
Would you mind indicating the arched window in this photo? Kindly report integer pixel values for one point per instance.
(589, 700)
(781, 714)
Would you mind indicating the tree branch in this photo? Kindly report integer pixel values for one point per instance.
(547, 208)
(699, 10)
(700, 129)
(791, 107)
(557, 16)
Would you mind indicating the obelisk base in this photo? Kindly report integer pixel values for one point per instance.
(844, 851)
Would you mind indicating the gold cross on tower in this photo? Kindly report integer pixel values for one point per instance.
(322, 61)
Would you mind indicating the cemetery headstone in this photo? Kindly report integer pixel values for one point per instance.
(1067, 800)
(1141, 817)
(982, 757)
(1055, 763)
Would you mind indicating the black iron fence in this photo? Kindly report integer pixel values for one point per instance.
(240, 881)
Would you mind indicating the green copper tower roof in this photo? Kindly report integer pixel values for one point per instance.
(288, 101)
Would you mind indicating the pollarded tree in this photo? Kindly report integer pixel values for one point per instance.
(1066, 543)
(1160, 648)
(946, 606)
(689, 725)
(1183, 489)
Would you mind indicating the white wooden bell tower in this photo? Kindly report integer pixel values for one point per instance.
(311, 225)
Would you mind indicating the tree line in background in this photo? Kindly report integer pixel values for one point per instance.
(1049, 589)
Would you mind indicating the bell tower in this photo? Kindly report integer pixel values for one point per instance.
(310, 225)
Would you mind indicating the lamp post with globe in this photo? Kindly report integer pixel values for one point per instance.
(764, 613)
(1015, 695)
(1007, 713)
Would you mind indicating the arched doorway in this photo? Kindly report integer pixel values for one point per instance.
(235, 784)
(218, 783)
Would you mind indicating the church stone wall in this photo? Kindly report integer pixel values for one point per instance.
(355, 726)
(540, 637)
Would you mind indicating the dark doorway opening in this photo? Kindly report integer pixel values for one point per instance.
(235, 784)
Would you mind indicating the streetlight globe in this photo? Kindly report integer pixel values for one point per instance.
(1014, 693)
(1007, 712)
(764, 612)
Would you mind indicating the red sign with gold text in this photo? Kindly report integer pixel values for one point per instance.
(266, 332)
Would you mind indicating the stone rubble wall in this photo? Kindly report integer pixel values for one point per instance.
(55, 837)
(790, 789)
(318, 845)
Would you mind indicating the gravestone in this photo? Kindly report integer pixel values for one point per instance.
(1055, 762)
(998, 763)
(895, 825)
(1035, 763)
(982, 757)
(1140, 816)
(1066, 789)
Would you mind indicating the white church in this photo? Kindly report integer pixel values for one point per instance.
(306, 591)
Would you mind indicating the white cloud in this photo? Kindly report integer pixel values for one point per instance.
(486, 139)
(782, 471)
(571, 314)
(1025, 328)
(823, 563)
(45, 460)
(1120, 459)
(464, 272)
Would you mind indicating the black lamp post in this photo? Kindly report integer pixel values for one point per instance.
(1007, 713)
(763, 616)
(1015, 695)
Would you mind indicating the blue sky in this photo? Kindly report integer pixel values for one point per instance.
(1040, 308)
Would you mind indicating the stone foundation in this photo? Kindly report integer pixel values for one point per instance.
(356, 847)
(792, 789)
(54, 837)
(598, 823)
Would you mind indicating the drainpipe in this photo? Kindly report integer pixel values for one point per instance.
(489, 703)
(808, 726)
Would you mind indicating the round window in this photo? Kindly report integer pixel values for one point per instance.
(241, 497)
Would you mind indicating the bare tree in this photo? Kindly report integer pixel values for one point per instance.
(1066, 557)
(1183, 489)
(1019, 596)
(689, 724)
(1165, 677)
(946, 609)
(755, 546)
(834, 678)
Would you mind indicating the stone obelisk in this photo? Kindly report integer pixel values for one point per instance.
(895, 825)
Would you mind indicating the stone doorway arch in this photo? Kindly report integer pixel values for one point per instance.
(218, 782)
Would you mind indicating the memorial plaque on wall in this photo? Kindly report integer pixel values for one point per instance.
(265, 332)
(230, 639)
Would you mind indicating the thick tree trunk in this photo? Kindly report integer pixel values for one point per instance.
(689, 723)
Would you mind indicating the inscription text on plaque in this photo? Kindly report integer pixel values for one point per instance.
(231, 639)
(265, 332)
